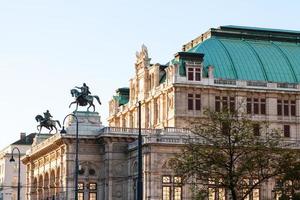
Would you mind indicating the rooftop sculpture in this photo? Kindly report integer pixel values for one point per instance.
(83, 97)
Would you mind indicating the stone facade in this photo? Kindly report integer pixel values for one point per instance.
(9, 170)
(107, 160)
(172, 96)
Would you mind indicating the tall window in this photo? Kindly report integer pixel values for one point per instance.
(194, 102)
(171, 188)
(80, 191)
(256, 129)
(224, 103)
(286, 107)
(286, 131)
(214, 191)
(256, 106)
(194, 74)
(92, 191)
(166, 193)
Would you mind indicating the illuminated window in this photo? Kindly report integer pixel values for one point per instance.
(177, 179)
(166, 192)
(171, 188)
(255, 194)
(92, 196)
(80, 196)
(222, 194)
(211, 194)
(80, 186)
(177, 193)
(166, 179)
(93, 186)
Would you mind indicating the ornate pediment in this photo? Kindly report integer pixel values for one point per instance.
(142, 58)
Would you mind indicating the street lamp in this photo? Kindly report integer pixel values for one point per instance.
(19, 170)
(63, 131)
(140, 158)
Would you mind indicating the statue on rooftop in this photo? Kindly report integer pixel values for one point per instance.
(46, 122)
(83, 97)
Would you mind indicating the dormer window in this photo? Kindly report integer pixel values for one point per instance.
(194, 73)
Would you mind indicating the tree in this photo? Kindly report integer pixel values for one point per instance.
(232, 152)
(289, 185)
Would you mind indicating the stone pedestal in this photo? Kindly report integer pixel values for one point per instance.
(89, 123)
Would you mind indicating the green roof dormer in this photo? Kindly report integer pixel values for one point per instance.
(122, 95)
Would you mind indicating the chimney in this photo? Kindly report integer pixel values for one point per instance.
(22, 135)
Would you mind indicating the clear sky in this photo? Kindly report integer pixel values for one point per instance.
(49, 46)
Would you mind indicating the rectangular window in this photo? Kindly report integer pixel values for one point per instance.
(194, 74)
(177, 193)
(255, 106)
(177, 180)
(279, 107)
(224, 103)
(286, 108)
(198, 102)
(232, 104)
(225, 128)
(166, 193)
(217, 104)
(222, 194)
(93, 186)
(80, 186)
(80, 196)
(92, 196)
(190, 74)
(256, 129)
(263, 106)
(256, 195)
(293, 108)
(166, 179)
(190, 102)
(286, 130)
(197, 74)
(249, 106)
(194, 102)
(211, 194)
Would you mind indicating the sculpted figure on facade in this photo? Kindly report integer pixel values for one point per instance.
(83, 97)
(46, 122)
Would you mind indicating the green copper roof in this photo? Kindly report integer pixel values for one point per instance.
(248, 59)
(122, 95)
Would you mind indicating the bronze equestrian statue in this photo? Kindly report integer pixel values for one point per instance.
(84, 97)
(46, 122)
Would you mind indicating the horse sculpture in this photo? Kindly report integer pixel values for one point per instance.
(49, 124)
(83, 100)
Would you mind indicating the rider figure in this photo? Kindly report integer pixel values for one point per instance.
(47, 116)
(85, 91)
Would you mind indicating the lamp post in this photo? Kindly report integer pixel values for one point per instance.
(140, 159)
(19, 168)
(63, 131)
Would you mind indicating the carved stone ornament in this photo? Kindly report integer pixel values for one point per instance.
(142, 58)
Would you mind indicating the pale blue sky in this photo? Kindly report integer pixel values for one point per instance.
(49, 46)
